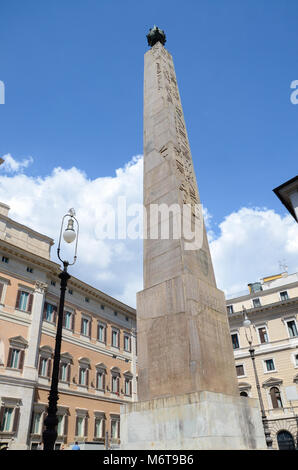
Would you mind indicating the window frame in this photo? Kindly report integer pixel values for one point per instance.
(240, 365)
(258, 328)
(266, 370)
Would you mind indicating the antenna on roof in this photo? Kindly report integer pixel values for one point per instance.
(283, 266)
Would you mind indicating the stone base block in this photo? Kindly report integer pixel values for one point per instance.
(200, 420)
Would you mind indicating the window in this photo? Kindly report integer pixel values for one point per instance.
(292, 328)
(44, 367)
(115, 338)
(99, 428)
(29, 270)
(68, 320)
(60, 426)
(127, 386)
(230, 309)
(115, 428)
(296, 359)
(275, 397)
(235, 341)
(87, 299)
(269, 363)
(64, 372)
(101, 332)
(86, 326)
(243, 394)
(115, 384)
(15, 358)
(36, 421)
(70, 291)
(239, 370)
(50, 312)
(127, 342)
(84, 376)
(9, 418)
(81, 424)
(115, 313)
(5, 259)
(262, 330)
(100, 380)
(256, 302)
(24, 301)
(102, 307)
(53, 283)
(284, 295)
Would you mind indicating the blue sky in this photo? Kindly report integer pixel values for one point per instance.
(73, 72)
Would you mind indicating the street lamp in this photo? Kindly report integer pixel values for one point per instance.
(247, 328)
(69, 235)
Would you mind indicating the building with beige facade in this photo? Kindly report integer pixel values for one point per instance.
(272, 307)
(98, 351)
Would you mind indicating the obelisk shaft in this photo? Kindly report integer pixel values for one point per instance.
(183, 333)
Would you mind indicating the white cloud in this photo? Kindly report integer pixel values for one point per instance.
(11, 165)
(247, 244)
(250, 246)
(112, 266)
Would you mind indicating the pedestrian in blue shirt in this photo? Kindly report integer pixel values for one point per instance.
(76, 446)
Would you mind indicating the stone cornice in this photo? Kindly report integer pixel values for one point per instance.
(261, 293)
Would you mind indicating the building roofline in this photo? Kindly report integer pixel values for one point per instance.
(283, 198)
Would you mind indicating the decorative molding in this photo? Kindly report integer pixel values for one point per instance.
(40, 287)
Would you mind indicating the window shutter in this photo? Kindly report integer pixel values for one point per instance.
(9, 357)
(90, 328)
(72, 321)
(103, 428)
(65, 425)
(86, 426)
(49, 367)
(44, 310)
(95, 421)
(105, 334)
(118, 384)
(40, 365)
(1, 416)
(68, 373)
(130, 387)
(77, 425)
(18, 299)
(60, 371)
(82, 325)
(16, 420)
(104, 380)
(118, 429)
(1, 290)
(55, 314)
(87, 377)
(30, 302)
(64, 319)
(21, 363)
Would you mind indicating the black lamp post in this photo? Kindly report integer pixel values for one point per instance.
(247, 324)
(69, 235)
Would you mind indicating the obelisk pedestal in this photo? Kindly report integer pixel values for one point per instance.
(187, 386)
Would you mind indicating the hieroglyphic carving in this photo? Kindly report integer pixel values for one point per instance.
(167, 84)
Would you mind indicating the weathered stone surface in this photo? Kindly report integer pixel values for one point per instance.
(201, 420)
(187, 385)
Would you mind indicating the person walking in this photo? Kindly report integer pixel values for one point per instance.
(76, 446)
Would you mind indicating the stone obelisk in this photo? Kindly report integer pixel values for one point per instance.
(187, 386)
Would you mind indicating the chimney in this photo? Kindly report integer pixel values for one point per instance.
(4, 209)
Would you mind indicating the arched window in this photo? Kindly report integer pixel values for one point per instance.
(285, 441)
(275, 397)
(243, 394)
